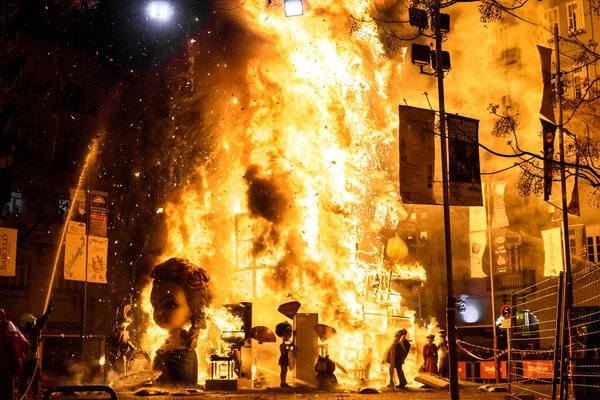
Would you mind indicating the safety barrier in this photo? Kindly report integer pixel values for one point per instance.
(73, 390)
(583, 363)
(535, 323)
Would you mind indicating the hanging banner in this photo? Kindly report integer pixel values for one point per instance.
(499, 253)
(417, 155)
(553, 257)
(478, 243)
(477, 219)
(547, 108)
(8, 252)
(75, 247)
(478, 215)
(97, 259)
(98, 214)
(78, 219)
(548, 133)
(463, 156)
(499, 218)
(573, 207)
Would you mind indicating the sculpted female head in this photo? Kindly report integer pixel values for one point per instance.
(180, 292)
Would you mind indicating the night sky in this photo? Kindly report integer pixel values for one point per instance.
(118, 31)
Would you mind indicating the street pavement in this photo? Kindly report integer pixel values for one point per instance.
(467, 393)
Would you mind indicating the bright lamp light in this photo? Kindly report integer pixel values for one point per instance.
(293, 8)
(159, 10)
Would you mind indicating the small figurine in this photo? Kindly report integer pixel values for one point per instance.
(325, 369)
(286, 349)
(234, 352)
(430, 356)
(443, 355)
(180, 293)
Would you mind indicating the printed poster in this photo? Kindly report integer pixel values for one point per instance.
(553, 256)
(97, 259)
(463, 165)
(8, 252)
(417, 155)
(98, 214)
(478, 243)
(499, 217)
(78, 218)
(499, 252)
(74, 266)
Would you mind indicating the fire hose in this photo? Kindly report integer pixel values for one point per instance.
(37, 363)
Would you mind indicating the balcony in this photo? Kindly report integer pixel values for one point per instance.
(513, 280)
(13, 292)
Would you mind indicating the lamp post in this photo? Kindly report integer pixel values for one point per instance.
(451, 301)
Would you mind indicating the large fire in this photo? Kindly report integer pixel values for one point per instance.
(289, 203)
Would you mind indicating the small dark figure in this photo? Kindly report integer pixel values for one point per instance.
(325, 369)
(430, 356)
(13, 346)
(443, 355)
(33, 333)
(235, 353)
(395, 355)
(118, 342)
(285, 331)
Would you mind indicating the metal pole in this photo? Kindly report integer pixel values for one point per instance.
(555, 367)
(509, 366)
(565, 214)
(488, 191)
(451, 307)
(85, 284)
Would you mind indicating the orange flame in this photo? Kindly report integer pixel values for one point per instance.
(290, 202)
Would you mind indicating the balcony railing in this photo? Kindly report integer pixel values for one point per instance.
(513, 280)
(11, 292)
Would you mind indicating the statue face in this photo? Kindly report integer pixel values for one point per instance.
(171, 309)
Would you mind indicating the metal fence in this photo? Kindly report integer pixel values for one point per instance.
(583, 362)
(532, 338)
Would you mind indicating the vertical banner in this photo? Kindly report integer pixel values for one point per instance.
(553, 257)
(499, 217)
(499, 253)
(78, 220)
(463, 156)
(547, 108)
(573, 207)
(97, 259)
(75, 262)
(98, 214)
(478, 243)
(417, 155)
(8, 252)
(548, 133)
(477, 219)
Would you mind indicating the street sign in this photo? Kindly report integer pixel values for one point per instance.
(506, 311)
(505, 323)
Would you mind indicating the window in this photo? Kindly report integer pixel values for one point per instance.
(591, 252)
(16, 286)
(16, 205)
(575, 20)
(551, 21)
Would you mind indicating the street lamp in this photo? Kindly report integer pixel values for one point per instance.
(159, 10)
(293, 8)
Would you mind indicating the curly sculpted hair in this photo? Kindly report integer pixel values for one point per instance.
(193, 279)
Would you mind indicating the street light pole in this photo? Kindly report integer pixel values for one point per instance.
(451, 305)
(568, 297)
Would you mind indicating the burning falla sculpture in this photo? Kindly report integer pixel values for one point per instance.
(180, 293)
